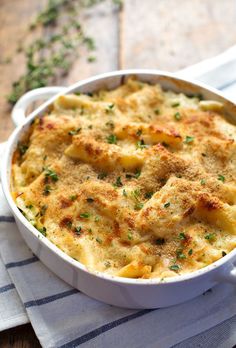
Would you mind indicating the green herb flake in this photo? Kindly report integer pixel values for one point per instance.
(30, 206)
(157, 111)
(141, 144)
(174, 267)
(102, 176)
(175, 104)
(22, 149)
(203, 182)
(90, 200)
(118, 182)
(177, 116)
(73, 197)
(91, 59)
(43, 210)
(130, 236)
(43, 230)
(97, 218)
(188, 139)
(182, 236)
(110, 108)
(47, 190)
(190, 252)
(112, 139)
(180, 254)
(125, 193)
(167, 204)
(210, 237)
(49, 173)
(99, 240)
(75, 131)
(149, 195)
(221, 178)
(160, 241)
(137, 173)
(85, 215)
(138, 206)
(139, 132)
(78, 230)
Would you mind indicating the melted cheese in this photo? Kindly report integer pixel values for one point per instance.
(134, 182)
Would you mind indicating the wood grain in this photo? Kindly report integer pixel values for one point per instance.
(163, 34)
(170, 34)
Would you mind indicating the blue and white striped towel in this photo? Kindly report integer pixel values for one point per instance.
(63, 317)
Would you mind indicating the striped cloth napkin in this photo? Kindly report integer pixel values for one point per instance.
(64, 317)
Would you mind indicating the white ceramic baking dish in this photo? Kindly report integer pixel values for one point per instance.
(130, 293)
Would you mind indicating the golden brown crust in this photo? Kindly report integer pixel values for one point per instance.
(135, 182)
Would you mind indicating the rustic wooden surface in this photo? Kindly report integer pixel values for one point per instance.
(163, 34)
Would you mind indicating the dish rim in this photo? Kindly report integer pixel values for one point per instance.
(6, 172)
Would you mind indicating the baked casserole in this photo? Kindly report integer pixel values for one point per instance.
(135, 182)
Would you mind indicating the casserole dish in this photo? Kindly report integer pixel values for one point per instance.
(129, 293)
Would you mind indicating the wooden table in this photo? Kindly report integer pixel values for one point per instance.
(163, 34)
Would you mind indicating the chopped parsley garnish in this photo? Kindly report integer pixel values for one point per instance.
(189, 139)
(22, 149)
(110, 108)
(97, 218)
(138, 206)
(148, 194)
(160, 241)
(85, 215)
(221, 178)
(43, 230)
(129, 176)
(137, 173)
(47, 190)
(157, 111)
(190, 252)
(124, 193)
(30, 206)
(139, 132)
(210, 236)
(43, 210)
(180, 254)
(130, 236)
(135, 193)
(112, 139)
(91, 59)
(49, 173)
(182, 236)
(78, 230)
(101, 176)
(203, 182)
(177, 116)
(90, 200)
(174, 267)
(118, 182)
(167, 204)
(69, 224)
(175, 104)
(75, 131)
(99, 240)
(224, 253)
(73, 197)
(141, 144)
(90, 126)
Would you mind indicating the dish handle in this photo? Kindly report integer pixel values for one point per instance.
(19, 110)
(228, 275)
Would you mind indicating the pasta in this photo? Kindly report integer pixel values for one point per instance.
(135, 182)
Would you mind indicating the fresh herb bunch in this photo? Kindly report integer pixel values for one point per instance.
(47, 59)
